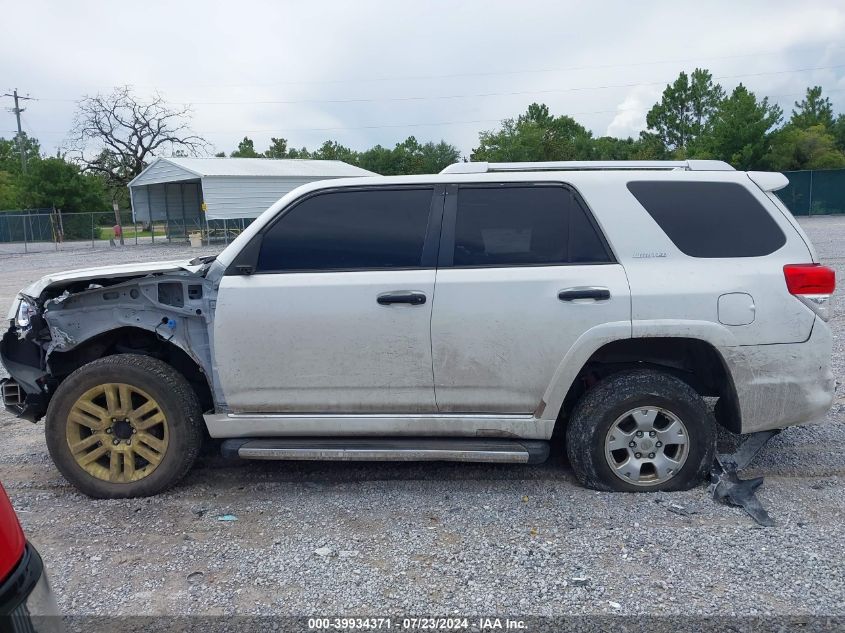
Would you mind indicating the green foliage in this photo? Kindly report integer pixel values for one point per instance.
(813, 110)
(246, 149)
(811, 148)
(278, 148)
(741, 128)
(302, 152)
(646, 147)
(9, 191)
(436, 156)
(838, 132)
(535, 136)
(53, 182)
(408, 157)
(332, 150)
(612, 148)
(683, 115)
(378, 159)
(10, 157)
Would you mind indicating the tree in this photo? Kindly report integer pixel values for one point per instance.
(535, 136)
(811, 148)
(10, 168)
(9, 191)
(10, 156)
(53, 182)
(741, 129)
(838, 131)
(407, 157)
(436, 156)
(682, 116)
(378, 159)
(813, 110)
(246, 149)
(302, 152)
(278, 148)
(116, 135)
(332, 150)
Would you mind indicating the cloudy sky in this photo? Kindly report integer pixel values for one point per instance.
(364, 72)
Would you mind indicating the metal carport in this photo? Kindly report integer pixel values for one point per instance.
(189, 194)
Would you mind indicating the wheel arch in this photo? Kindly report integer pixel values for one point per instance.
(133, 340)
(695, 361)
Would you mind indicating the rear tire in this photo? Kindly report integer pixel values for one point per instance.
(124, 426)
(641, 431)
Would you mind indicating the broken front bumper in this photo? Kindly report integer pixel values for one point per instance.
(30, 407)
(23, 394)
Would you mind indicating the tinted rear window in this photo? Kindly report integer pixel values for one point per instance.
(710, 219)
(523, 226)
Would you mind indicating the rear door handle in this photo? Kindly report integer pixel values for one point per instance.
(401, 296)
(584, 292)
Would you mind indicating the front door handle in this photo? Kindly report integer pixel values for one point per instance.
(585, 292)
(401, 296)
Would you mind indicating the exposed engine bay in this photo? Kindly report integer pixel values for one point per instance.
(60, 323)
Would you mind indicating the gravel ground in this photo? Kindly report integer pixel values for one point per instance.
(357, 539)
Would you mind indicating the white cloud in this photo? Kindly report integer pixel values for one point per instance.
(630, 114)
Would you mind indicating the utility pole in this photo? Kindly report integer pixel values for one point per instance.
(17, 110)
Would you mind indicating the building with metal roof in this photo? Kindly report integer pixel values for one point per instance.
(190, 192)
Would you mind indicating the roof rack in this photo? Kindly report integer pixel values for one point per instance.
(585, 165)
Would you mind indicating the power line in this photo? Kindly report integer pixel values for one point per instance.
(422, 124)
(493, 73)
(466, 96)
(495, 94)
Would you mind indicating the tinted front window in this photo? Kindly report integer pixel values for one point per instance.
(508, 226)
(710, 219)
(350, 230)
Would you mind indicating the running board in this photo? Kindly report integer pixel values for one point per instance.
(390, 450)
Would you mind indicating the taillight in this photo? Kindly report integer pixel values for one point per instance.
(12, 541)
(813, 284)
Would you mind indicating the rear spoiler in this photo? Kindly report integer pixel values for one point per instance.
(768, 180)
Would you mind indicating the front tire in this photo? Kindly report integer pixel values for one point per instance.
(124, 426)
(641, 431)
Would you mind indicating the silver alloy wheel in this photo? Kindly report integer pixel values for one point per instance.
(646, 446)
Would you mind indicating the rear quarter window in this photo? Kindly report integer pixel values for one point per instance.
(710, 219)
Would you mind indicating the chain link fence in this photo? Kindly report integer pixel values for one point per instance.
(35, 230)
(814, 192)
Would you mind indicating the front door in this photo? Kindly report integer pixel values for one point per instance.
(524, 272)
(336, 316)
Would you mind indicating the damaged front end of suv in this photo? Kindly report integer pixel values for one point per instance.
(61, 322)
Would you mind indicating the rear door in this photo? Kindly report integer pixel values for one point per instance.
(335, 317)
(523, 272)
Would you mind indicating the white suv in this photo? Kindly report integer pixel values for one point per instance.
(472, 315)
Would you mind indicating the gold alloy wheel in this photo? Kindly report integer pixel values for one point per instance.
(117, 433)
